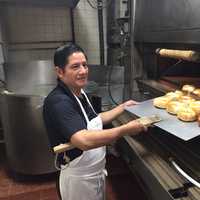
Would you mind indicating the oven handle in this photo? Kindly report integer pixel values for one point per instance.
(184, 174)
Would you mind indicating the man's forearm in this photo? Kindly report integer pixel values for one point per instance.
(109, 116)
(88, 139)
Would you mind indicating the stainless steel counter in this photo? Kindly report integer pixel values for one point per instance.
(26, 141)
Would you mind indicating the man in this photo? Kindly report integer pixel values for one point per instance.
(70, 117)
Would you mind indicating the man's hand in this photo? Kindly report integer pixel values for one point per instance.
(135, 127)
(130, 103)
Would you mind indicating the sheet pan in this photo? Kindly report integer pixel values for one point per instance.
(169, 123)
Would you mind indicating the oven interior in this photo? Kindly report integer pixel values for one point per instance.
(161, 75)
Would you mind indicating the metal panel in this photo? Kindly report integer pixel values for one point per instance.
(100, 74)
(168, 21)
(27, 147)
(30, 78)
(151, 185)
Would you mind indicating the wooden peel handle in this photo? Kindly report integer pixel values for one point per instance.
(179, 54)
(63, 147)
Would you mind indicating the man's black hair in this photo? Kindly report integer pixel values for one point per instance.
(62, 53)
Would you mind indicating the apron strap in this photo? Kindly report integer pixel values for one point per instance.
(82, 91)
(83, 110)
(81, 106)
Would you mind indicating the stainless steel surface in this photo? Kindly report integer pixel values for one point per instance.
(136, 160)
(100, 74)
(25, 136)
(168, 21)
(169, 123)
(38, 76)
(184, 174)
(26, 141)
(30, 78)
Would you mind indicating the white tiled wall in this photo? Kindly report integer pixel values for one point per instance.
(35, 23)
(86, 30)
(28, 23)
(1, 56)
(0, 32)
(123, 8)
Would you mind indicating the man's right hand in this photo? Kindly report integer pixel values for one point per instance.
(135, 127)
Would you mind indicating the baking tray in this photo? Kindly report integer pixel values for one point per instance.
(169, 123)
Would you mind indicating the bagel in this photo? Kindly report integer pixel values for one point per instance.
(186, 114)
(174, 106)
(179, 92)
(186, 99)
(188, 88)
(161, 102)
(197, 92)
(195, 106)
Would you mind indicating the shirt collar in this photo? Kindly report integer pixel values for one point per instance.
(65, 88)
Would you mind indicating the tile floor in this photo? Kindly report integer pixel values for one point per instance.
(121, 184)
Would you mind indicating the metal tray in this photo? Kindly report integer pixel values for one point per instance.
(169, 123)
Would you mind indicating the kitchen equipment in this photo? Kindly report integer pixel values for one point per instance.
(27, 146)
(172, 26)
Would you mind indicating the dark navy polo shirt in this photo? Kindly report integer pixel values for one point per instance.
(63, 116)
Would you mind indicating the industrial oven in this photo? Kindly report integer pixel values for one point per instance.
(167, 165)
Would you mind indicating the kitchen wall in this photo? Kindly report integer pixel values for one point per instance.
(34, 31)
(86, 30)
(1, 55)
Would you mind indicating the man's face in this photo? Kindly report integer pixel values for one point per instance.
(75, 73)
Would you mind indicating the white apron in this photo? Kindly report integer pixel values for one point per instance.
(84, 178)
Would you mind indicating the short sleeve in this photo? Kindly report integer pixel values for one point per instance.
(66, 118)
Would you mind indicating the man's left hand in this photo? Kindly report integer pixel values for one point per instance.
(130, 103)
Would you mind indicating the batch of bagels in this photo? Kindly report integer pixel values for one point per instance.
(184, 103)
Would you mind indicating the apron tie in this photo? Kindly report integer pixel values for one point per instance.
(65, 158)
